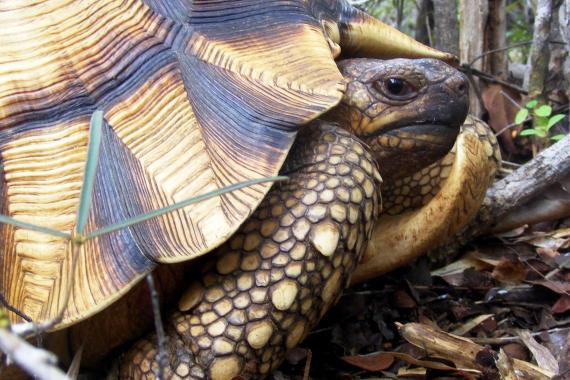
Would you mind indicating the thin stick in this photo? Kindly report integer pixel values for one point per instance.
(307, 365)
(486, 53)
(39, 363)
(5, 304)
(492, 79)
(159, 327)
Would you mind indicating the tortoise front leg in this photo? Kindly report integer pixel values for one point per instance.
(277, 276)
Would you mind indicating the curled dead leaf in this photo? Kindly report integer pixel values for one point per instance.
(542, 355)
(510, 271)
(374, 362)
(562, 305)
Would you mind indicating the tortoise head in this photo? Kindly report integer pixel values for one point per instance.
(408, 111)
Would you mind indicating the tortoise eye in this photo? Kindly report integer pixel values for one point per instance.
(396, 88)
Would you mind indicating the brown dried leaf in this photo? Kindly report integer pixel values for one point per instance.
(403, 300)
(560, 287)
(562, 233)
(453, 273)
(516, 351)
(562, 305)
(550, 242)
(543, 356)
(501, 112)
(467, 372)
(516, 232)
(510, 271)
(374, 362)
(547, 253)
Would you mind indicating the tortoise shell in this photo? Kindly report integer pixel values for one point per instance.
(196, 95)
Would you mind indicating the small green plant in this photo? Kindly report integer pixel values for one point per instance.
(542, 120)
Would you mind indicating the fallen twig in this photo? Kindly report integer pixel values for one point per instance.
(159, 327)
(39, 363)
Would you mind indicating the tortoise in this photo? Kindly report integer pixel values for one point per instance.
(196, 97)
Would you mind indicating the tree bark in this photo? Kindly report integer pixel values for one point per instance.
(564, 23)
(446, 29)
(550, 166)
(473, 22)
(496, 38)
(423, 22)
(539, 52)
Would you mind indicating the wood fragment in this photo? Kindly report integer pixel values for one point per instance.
(550, 166)
(505, 367)
(461, 351)
(471, 324)
(39, 363)
(464, 352)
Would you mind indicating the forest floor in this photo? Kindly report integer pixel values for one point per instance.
(507, 293)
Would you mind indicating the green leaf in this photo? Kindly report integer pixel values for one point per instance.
(528, 132)
(558, 137)
(95, 129)
(543, 111)
(554, 119)
(33, 227)
(540, 123)
(521, 116)
(531, 104)
(143, 217)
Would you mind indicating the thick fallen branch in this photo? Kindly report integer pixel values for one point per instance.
(547, 168)
(36, 362)
(526, 184)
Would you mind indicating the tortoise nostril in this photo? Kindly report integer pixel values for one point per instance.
(458, 84)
